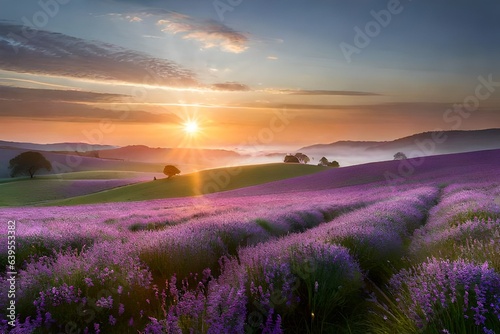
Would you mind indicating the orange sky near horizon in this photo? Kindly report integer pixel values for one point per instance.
(286, 128)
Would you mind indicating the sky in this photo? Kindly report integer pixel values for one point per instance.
(268, 74)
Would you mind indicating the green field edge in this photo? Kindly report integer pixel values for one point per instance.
(194, 184)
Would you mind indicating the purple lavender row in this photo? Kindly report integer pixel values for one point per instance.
(457, 288)
(77, 274)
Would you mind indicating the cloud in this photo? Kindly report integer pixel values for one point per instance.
(321, 92)
(77, 112)
(208, 32)
(272, 57)
(72, 106)
(41, 95)
(152, 36)
(132, 18)
(20, 82)
(49, 53)
(399, 107)
(231, 86)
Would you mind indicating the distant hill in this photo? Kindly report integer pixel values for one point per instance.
(63, 163)
(342, 144)
(455, 142)
(80, 147)
(356, 152)
(439, 169)
(180, 156)
(130, 158)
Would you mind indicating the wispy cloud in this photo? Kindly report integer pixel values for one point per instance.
(127, 17)
(75, 112)
(210, 33)
(71, 106)
(272, 57)
(62, 55)
(230, 86)
(18, 81)
(152, 36)
(321, 92)
(134, 19)
(41, 95)
(407, 107)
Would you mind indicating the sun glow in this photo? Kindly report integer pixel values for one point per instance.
(191, 127)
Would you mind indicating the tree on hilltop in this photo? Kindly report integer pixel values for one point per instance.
(334, 163)
(323, 162)
(400, 156)
(291, 159)
(302, 157)
(28, 163)
(170, 171)
(297, 158)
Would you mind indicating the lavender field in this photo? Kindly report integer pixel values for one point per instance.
(341, 251)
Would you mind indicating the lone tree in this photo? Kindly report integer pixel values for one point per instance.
(170, 171)
(28, 163)
(302, 157)
(334, 163)
(400, 156)
(291, 159)
(323, 162)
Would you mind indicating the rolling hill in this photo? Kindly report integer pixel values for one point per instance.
(356, 152)
(139, 158)
(64, 163)
(197, 183)
(25, 191)
(180, 156)
(73, 157)
(282, 178)
(430, 169)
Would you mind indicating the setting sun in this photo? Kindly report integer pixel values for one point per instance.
(191, 127)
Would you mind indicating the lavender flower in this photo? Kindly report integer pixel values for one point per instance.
(439, 284)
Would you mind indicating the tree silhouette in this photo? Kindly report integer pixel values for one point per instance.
(302, 157)
(291, 159)
(334, 164)
(170, 171)
(400, 156)
(28, 163)
(323, 162)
